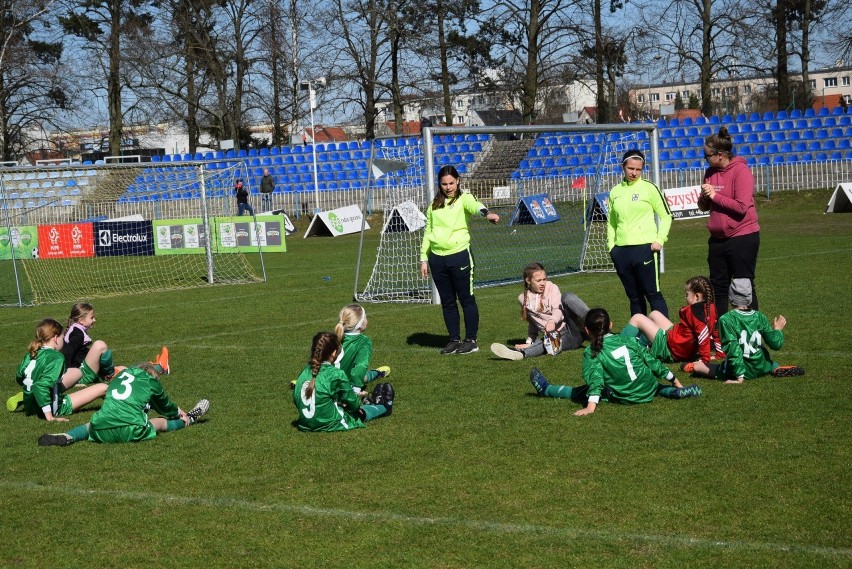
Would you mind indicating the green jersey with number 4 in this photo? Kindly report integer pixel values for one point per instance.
(126, 397)
(625, 367)
(38, 376)
(332, 404)
(745, 335)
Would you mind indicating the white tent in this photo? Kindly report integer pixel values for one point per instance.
(841, 199)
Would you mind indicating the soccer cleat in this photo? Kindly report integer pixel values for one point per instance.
(451, 348)
(788, 371)
(538, 381)
(688, 367)
(690, 391)
(201, 408)
(382, 394)
(58, 440)
(505, 352)
(468, 347)
(15, 401)
(383, 372)
(162, 360)
(293, 384)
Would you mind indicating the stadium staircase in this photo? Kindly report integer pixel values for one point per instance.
(503, 158)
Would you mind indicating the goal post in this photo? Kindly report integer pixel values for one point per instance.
(566, 169)
(72, 232)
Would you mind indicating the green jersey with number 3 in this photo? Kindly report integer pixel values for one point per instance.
(625, 367)
(331, 405)
(126, 397)
(745, 335)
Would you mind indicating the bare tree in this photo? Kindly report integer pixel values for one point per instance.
(535, 38)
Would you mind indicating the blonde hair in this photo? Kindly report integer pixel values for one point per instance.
(350, 319)
(45, 330)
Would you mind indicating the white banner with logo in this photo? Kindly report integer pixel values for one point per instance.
(341, 221)
(684, 202)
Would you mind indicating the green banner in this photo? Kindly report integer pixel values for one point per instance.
(231, 234)
(23, 239)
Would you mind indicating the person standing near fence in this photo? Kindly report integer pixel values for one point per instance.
(728, 194)
(634, 238)
(446, 252)
(267, 186)
(243, 204)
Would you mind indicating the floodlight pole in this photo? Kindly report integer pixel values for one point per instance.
(312, 99)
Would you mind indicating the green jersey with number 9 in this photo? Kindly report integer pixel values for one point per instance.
(331, 405)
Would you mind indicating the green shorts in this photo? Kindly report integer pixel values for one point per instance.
(660, 347)
(89, 375)
(66, 408)
(124, 434)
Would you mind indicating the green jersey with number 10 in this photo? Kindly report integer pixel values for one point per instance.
(745, 335)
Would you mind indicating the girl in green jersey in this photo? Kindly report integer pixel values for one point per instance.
(324, 397)
(356, 348)
(615, 368)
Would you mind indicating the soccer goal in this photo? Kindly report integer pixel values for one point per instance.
(71, 232)
(549, 185)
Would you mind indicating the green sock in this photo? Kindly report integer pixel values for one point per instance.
(559, 391)
(80, 433)
(107, 365)
(373, 411)
(630, 331)
(666, 391)
(174, 425)
(371, 375)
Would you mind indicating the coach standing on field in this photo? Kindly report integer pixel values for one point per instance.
(634, 238)
(728, 193)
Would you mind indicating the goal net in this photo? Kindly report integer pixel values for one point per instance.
(71, 232)
(563, 172)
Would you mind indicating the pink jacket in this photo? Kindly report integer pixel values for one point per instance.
(732, 210)
(543, 308)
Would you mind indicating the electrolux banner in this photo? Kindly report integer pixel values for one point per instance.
(113, 238)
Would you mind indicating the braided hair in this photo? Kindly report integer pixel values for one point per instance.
(701, 285)
(323, 348)
(597, 326)
(45, 330)
(529, 271)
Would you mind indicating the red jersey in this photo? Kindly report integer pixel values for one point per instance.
(695, 334)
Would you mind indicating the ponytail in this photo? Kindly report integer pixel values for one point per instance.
(323, 348)
(45, 330)
(597, 325)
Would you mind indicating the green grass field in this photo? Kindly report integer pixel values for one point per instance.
(471, 470)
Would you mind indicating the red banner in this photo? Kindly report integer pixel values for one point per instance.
(66, 241)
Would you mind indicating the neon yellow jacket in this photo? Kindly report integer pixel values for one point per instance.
(631, 214)
(446, 228)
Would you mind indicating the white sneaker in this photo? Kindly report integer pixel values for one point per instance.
(198, 411)
(505, 352)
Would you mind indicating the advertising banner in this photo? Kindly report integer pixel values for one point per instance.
(114, 238)
(684, 202)
(341, 221)
(66, 241)
(23, 239)
(534, 210)
(237, 234)
(179, 237)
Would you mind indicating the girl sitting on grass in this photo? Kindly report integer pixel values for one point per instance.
(124, 415)
(324, 397)
(745, 333)
(554, 321)
(356, 348)
(692, 338)
(615, 368)
(41, 372)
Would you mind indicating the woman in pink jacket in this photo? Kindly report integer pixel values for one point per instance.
(728, 193)
(554, 320)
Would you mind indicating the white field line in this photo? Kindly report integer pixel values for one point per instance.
(450, 522)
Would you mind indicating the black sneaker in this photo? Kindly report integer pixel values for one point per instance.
(468, 347)
(382, 394)
(788, 371)
(452, 347)
(59, 440)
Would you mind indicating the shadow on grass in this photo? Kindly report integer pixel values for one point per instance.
(427, 340)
